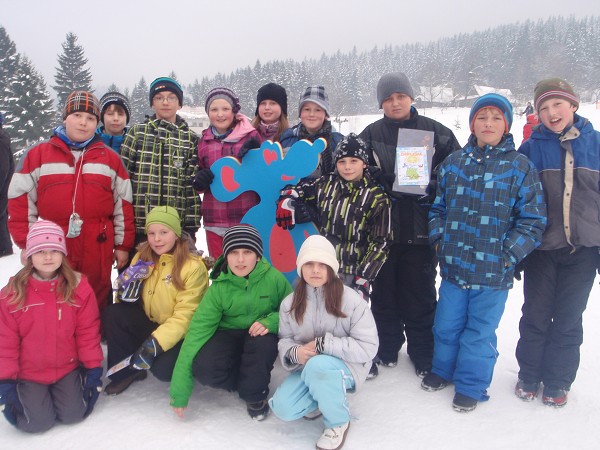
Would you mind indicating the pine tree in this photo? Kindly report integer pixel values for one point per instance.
(71, 73)
(33, 115)
(139, 102)
(9, 63)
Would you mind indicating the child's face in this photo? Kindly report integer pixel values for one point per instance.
(166, 104)
(115, 120)
(47, 262)
(488, 126)
(242, 261)
(315, 273)
(312, 117)
(557, 114)
(397, 106)
(80, 126)
(220, 115)
(350, 168)
(269, 111)
(161, 238)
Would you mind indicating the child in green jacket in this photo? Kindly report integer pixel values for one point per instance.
(232, 340)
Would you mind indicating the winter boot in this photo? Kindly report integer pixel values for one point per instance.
(433, 382)
(556, 397)
(258, 410)
(373, 371)
(116, 387)
(462, 403)
(526, 391)
(333, 438)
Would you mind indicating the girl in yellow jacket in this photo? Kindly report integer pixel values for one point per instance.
(152, 329)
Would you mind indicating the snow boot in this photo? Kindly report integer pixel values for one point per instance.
(258, 410)
(116, 387)
(556, 397)
(462, 403)
(526, 391)
(433, 382)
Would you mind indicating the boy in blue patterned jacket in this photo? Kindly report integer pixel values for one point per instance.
(489, 213)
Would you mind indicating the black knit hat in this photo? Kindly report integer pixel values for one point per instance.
(351, 146)
(166, 84)
(242, 236)
(114, 98)
(275, 92)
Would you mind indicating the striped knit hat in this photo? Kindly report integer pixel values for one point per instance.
(225, 94)
(82, 101)
(554, 88)
(45, 235)
(493, 100)
(315, 94)
(114, 98)
(242, 236)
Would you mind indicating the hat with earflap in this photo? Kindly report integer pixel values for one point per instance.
(317, 248)
(496, 101)
(164, 215)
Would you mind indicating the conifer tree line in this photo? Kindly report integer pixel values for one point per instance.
(508, 56)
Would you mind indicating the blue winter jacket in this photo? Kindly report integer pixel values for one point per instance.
(113, 142)
(489, 213)
(569, 168)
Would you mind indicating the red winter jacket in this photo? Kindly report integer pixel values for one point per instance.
(46, 338)
(44, 185)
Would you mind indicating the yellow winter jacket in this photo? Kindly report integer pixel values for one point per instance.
(165, 305)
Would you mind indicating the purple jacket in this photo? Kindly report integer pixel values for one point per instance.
(214, 212)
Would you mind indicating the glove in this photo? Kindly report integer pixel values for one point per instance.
(92, 386)
(202, 179)
(362, 286)
(250, 144)
(519, 269)
(10, 404)
(143, 358)
(302, 213)
(286, 205)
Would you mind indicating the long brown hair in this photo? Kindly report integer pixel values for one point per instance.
(181, 253)
(284, 124)
(68, 280)
(332, 290)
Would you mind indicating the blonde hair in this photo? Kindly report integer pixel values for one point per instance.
(68, 280)
(181, 253)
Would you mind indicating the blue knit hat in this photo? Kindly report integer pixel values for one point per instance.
(494, 101)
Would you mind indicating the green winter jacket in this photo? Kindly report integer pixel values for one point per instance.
(231, 303)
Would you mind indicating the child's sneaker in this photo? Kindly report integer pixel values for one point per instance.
(433, 382)
(526, 391)
(556, 397)
(333, 438)
(259, 410)
(373, 371)
(462, 403)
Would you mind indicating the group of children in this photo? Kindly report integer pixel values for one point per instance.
(484, 211)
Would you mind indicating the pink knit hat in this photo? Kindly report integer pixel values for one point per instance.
(45, 235)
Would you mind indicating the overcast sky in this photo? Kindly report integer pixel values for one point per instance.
(127, 39)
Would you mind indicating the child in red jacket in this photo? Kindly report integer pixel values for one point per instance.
(50, 355)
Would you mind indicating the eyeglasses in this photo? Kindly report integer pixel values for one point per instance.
(161, 99)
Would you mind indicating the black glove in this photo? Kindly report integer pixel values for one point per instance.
(519, 269)
(362, 286)
(143, 358)
(202, 179)
(250, 144)
(10, 404)
(303, 212)
(92, 386)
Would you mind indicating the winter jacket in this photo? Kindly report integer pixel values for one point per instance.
(169, 307)
(226, 214)
(353, 338)
(231, 303)
(292, 135)
(47, 182)
(488, 215)
(160, 157)
(113, 142)
(7, 164)
(47, 338)
(532, 121)
(355, 217)
(409, 212)
(569, 167)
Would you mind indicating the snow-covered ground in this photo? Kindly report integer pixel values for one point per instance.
(390, 412)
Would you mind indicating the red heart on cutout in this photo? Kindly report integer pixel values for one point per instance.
(227, 178)
(269, 156)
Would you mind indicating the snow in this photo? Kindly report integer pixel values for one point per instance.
(389, 412)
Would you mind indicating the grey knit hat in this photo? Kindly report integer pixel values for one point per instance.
(393, 82)
(315, 94)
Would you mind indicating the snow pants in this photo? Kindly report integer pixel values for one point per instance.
(127, 327)
(235, 361)
(557, 285)
(403, 300)
(322, 384)
(44, 405)
(465, 337)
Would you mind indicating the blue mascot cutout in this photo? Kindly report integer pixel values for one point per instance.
(266, 171)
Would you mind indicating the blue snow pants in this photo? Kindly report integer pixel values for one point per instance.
(321, 384)
(464, 333)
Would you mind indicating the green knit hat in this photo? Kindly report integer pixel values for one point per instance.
(165, 215)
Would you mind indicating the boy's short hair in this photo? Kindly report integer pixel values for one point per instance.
(493, 100)
(554, 88)
(81, 101)
(166, 84)
(114, 98)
